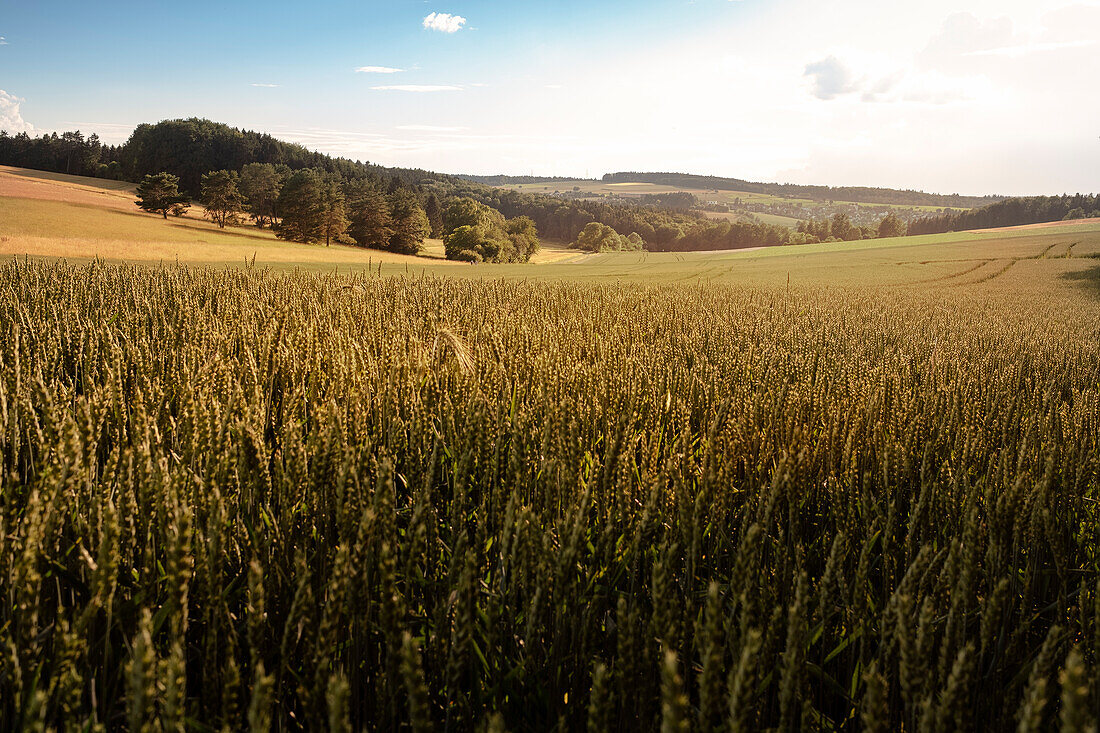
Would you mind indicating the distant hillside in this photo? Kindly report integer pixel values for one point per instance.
(502, 180)
(855, 194)
(191, 147)
(187, 148)
(1012, 212)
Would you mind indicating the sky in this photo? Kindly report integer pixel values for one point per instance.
(951, 96)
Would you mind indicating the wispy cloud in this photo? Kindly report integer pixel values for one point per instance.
(443, 22)
(269, 86)
(377, 70)
(423, 88)
(3, 41)
(430, 128)
(1030, 48)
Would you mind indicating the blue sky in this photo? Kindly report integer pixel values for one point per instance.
(973, 96)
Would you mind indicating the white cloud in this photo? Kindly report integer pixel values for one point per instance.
(831, 78)
(418, 88)
(269, 86)
(3, 41)
(553, 86)
(444, 22)
(377, 70)
(10, 117)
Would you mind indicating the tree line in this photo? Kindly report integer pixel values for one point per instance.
(839, 228)
(1009, 212)
(304, 205)
(662, 230)
(312, 206)
(1012, 212)
(69, 152)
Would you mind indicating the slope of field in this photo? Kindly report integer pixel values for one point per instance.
(51, 214)
(110, 230)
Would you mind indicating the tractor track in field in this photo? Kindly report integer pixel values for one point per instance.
(992, 276)
(941, 278)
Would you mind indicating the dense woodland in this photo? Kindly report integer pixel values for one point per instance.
(347, 201)
(839, 228)
(1012, 212)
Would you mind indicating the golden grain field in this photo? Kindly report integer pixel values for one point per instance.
(234, 498)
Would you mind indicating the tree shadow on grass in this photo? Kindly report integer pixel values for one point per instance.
(199, 226)
(1088, 277)
(227, 231)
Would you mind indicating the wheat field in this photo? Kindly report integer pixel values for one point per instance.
(237, 499)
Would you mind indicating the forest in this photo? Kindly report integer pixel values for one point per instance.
(1012, 212)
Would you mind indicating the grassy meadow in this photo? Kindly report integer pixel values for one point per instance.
(629, 189)
(850, 486)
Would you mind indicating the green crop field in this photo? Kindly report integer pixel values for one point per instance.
(826, 487)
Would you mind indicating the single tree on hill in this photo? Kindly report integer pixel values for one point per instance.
(221, 197)
(159, 193)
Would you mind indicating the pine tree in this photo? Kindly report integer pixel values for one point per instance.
(434, 212)
(260, 184)
(159, 194)
(301, 206)
(221, 197)
(369, 212)
(334, 213)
